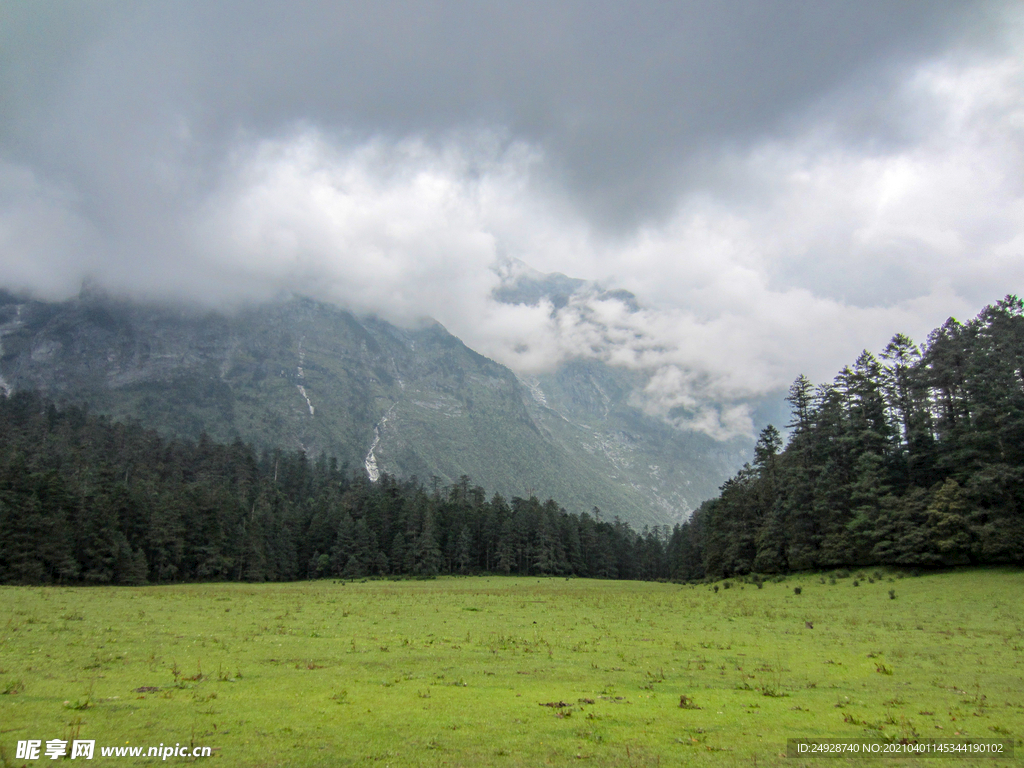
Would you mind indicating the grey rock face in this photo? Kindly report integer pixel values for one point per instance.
(299, 374)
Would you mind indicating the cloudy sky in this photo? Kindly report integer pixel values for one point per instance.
(781, 183)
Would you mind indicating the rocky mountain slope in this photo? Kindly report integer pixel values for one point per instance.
(301, 374)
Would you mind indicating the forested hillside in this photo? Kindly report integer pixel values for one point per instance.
(87, 500)
(914, 458)
(300, 374)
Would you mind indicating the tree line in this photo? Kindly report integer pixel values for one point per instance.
(84, 499)
(914, 458)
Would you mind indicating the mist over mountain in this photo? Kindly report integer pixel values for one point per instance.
(779, 187)
(296, 373)
(655, 217)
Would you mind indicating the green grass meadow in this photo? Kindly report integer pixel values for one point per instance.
(495, 671)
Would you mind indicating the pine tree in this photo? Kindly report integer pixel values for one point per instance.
(463, 550)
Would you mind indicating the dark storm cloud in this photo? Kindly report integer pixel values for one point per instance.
(620, 95)
(781, 184)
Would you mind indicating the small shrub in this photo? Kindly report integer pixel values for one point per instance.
(892, 594)
(797, 590)
(842, 574)
(856, 583)
(685, 702)
(726, 584)
(79, 704)
(716, 589)
(760, 585)
(832, 580)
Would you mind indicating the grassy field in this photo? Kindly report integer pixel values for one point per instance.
(516, 672)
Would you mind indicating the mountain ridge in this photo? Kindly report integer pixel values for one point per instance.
(411, 402)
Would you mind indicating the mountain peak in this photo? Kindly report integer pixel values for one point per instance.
(300, 374)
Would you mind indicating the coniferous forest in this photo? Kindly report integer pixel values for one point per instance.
(87, 500)
(913, 458)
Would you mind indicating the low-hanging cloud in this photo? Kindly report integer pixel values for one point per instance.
(42, 238)
(793, 254)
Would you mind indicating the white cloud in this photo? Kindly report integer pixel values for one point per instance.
(42, 237)
(820, 247)
(391, 228)
(810, 247)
